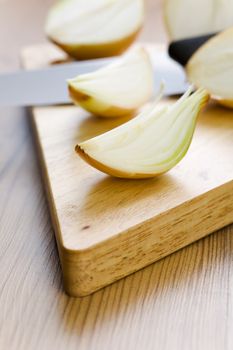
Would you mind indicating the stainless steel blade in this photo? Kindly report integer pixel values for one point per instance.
(48, 86)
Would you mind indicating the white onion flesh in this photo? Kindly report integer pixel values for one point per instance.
(150, 144)
(188, 18)
(125, 84)
(211, 66)
(82, 22)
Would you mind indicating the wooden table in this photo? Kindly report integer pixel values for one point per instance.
(182, 302)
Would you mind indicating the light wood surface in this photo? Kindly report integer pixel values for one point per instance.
(184, 301)
(107, 228)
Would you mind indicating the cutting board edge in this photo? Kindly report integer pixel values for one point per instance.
(83, 270)
(132, 251)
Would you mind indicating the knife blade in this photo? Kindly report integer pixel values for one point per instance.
(48, 86)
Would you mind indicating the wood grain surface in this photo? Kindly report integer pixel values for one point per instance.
(107, 228)
(184, 301)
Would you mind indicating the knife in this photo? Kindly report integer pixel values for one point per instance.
(48, 86)
(182, 50)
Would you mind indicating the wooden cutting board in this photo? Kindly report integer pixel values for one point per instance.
(107, 228)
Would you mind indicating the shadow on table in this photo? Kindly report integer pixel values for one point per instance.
(172, 283)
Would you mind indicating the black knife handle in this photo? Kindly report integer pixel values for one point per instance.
(182, 50)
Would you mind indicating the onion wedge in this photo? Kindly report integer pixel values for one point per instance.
(189, 18)
(211, 67)
(118, 89)
(94, 28)
(148, 145)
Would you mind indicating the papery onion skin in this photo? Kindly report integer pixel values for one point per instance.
(85, 101)
(224, 103)
(92, 51)
(111, 171)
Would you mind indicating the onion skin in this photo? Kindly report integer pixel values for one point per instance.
(85, 101)
(91, 51)
(110, 171)
(224, 103)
